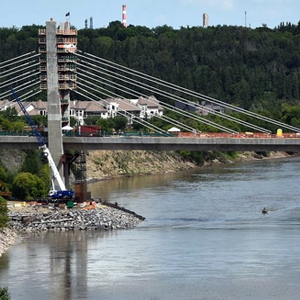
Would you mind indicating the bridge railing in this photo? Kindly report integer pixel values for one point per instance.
(237, 135)
(241, 135)
(15, 133)
(124, 134)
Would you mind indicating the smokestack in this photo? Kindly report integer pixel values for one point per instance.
(205, 20)
(124, 15)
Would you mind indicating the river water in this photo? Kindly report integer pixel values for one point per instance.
(204, 237)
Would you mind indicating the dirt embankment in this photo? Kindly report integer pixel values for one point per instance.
(113, 164)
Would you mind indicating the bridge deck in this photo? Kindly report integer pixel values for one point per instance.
(160, 143)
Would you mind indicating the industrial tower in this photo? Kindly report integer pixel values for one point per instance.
(205, 20)
(124, 15)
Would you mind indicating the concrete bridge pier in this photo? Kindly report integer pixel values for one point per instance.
(67, 160)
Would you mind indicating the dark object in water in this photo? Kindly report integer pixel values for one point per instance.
(265, 211)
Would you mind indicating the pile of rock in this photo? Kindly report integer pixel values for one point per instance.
(7, 238)
(37, 218)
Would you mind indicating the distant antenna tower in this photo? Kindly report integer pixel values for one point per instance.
(85, 24)
(205, 20)
(245, 19)
(124, 18)
(91, 23)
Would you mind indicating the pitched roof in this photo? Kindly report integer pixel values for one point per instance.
(78, 104)
(142, 101)
(95, 107)
(124, 104)
(4, 102)
(40, 104)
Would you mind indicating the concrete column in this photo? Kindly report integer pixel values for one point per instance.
(55, 143)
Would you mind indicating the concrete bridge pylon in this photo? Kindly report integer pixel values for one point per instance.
(55, 142)
(60, 74)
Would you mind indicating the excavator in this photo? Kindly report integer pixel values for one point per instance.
(62, 193)
(3, 190)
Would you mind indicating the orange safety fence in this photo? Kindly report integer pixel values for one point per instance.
(236, 135)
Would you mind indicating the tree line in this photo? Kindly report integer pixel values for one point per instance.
(256, 69)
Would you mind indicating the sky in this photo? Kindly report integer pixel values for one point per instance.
(174, 13)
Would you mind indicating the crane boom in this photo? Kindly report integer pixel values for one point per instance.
(34, 130)
(42, 145)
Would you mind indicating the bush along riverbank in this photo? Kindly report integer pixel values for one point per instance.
(36, 218)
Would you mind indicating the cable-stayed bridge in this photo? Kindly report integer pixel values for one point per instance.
(98, 80)
(60, 73)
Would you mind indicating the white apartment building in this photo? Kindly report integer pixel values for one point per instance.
(143, 108)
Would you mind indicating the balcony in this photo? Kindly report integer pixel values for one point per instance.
(42, 31)
(42, 40)
(43, 86)
(43, 77)
(66, 32)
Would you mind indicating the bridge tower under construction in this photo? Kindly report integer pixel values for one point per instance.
(57, 46)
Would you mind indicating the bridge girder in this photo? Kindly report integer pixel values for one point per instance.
(160, 143)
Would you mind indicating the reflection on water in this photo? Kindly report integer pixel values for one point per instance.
(104, 189)
(204, 237)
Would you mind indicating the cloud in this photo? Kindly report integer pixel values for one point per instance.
(218, 4)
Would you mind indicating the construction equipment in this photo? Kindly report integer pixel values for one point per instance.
(53, 193)
(3, 190)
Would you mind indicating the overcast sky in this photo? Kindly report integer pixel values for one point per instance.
(175, 13)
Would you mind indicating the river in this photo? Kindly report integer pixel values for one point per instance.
(204, 237)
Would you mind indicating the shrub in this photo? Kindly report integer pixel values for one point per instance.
(28, 186)
(4, 294)
(3, 213)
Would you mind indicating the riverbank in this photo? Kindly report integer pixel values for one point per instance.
(7, 239)
(104, 165)
(38, 218)
(35, 218)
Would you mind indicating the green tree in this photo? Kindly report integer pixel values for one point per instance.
(5, 124)
(291, 115)
(3, 213)
(39, 120)
(119, 123)
(10, 113)
(28, 186)
(105, 124)
(91, 120)
(32, 162)
(73, 121)
(3, 173)
(18, 126)
(4, 294)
